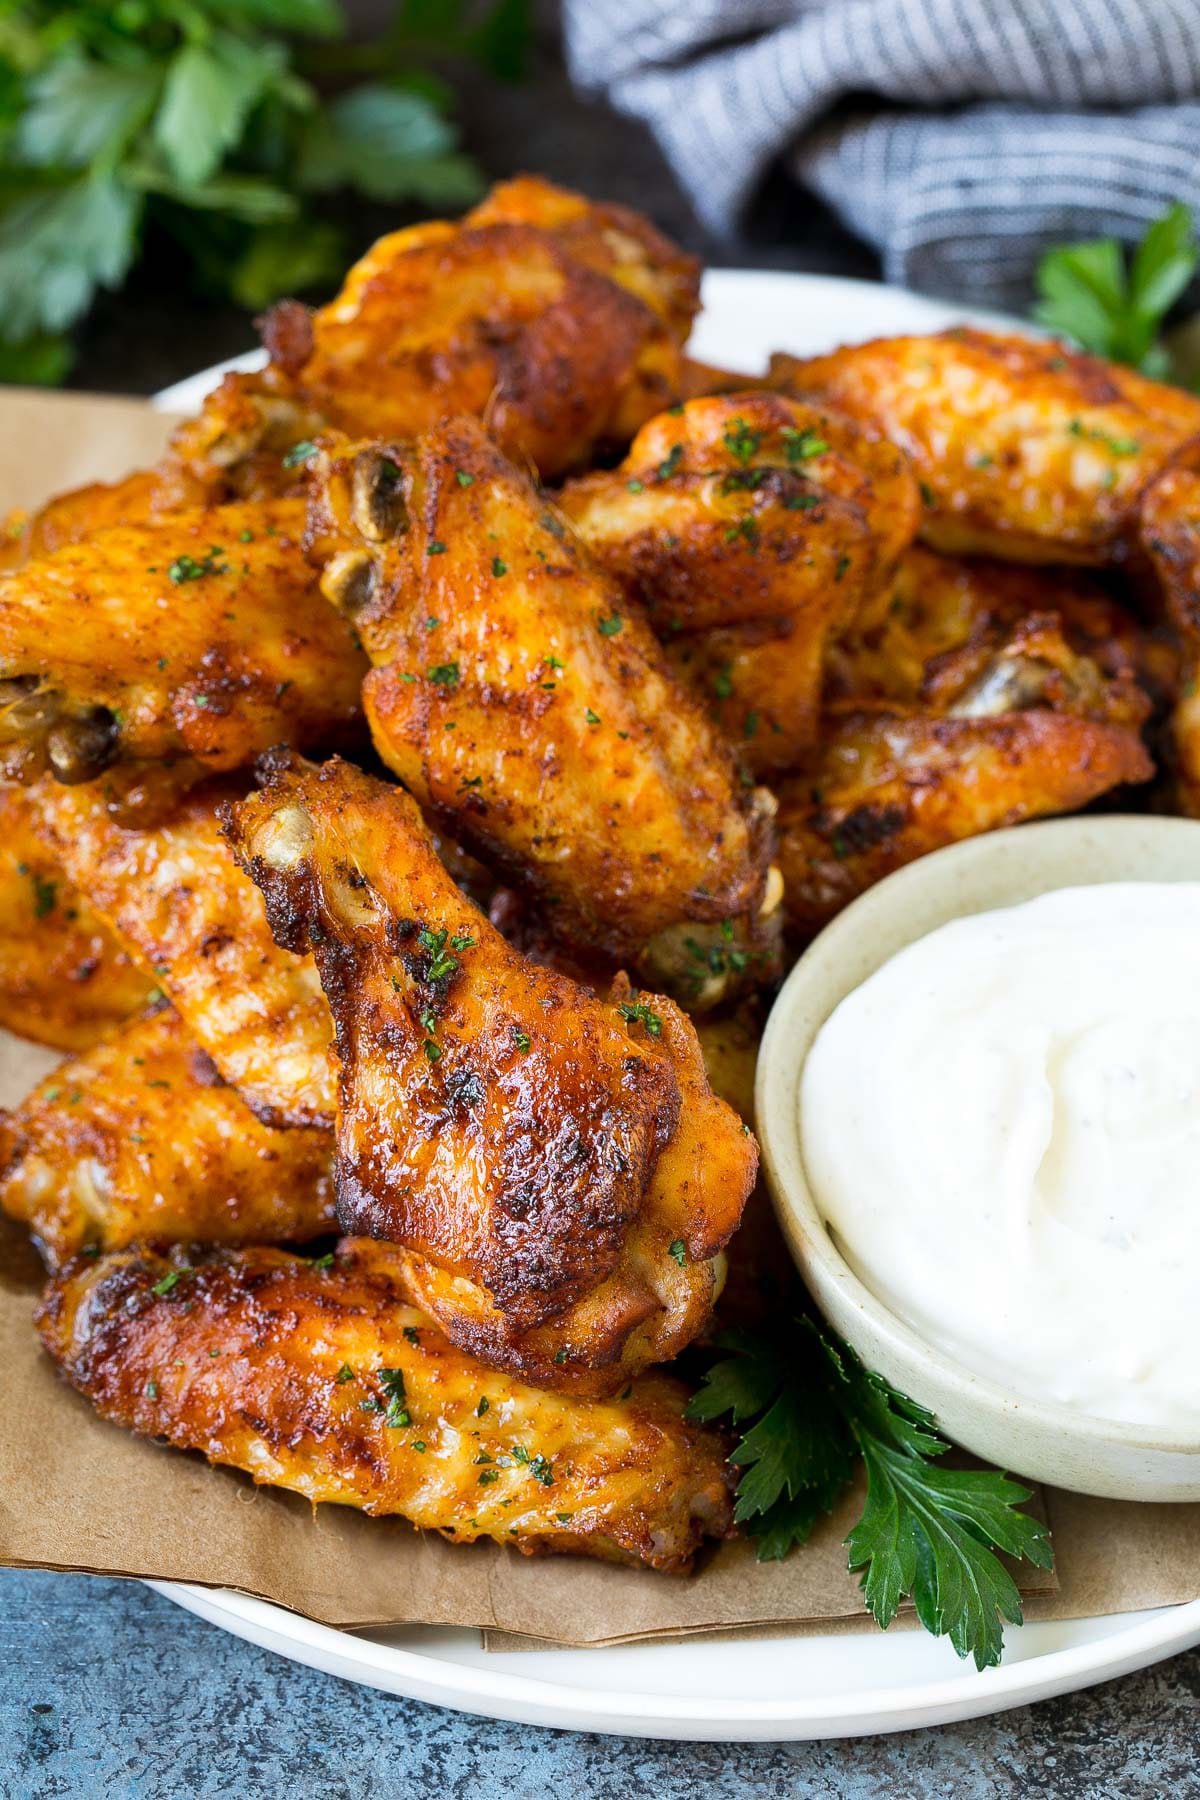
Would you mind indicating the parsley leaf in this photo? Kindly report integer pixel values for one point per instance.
(1089, 292)
(925, 1530)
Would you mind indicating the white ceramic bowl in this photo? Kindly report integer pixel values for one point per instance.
(1035, 1438)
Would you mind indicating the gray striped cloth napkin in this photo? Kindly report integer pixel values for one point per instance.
(960, 137)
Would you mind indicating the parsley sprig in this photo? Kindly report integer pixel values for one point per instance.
(1114, 308)
(811, 1410)
(230, 125)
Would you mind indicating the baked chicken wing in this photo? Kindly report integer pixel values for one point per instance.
(326, 1381)
(1025, 449)
(199, 638)
(1038, 731)
(749, 527)
(141, 1141)
(173, 893)
(555, 1165)
(65, 981)
(1169, 529)
(558, 320)
(529, 709)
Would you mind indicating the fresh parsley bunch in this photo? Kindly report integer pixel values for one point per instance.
(1089, 292)
(926, 1531)
(203, 116)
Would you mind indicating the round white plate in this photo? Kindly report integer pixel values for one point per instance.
(772, 1687)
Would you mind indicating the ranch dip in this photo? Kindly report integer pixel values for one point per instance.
(1002, 1128)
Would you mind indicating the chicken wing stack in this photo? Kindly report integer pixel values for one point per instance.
(380, 814)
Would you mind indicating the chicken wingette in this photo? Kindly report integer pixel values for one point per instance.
(529, 709)
(199, 639)
(1169, 530)
(65, 981)
(140, 1141)
(750, 527)
(1025, 449)
(1038, 730)
(558, 320)
(173, 893)
(328, 1382)
(555, 1166)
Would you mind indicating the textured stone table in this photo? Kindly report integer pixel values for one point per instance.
(108, 1690)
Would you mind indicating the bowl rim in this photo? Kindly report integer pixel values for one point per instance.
(777, 1112)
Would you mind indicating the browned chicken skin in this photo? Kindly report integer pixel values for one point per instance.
(749, 527)
(556, 1164)
(173, 893)
(1025, 449)
(199, 638)
(1169, 531)
(529, 709)
(140, 1141)
(65, 981)
(327, 1382)
(558, 320)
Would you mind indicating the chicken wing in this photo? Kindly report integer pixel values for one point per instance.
(1169, 531)
(1025, 449)
(749, 527)
(198, 638)
(141, 1141)
(327, 1382)
(885, 788)
(557, 319)
(942, 620)
(173, 894)
(64, 979)
(555, 1165)
(529, 709)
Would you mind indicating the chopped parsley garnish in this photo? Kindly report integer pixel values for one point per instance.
(169, 1282)
(802, 502)
(151, 1390)
(1119, 446)
(800, 446)
(609, 627)
(809, 1410)
(431, 624)
(487, 1476)
(323, 1262)
(741, 442)
(412, 1335)
(499, 568)
(435, 547)
(638, 1013)
(433, 1050)
(635, 486)
(344, 1374)
(299, 453)
(435, 942)
(462, 478)
(484, 1403)
(444, 675)
(746, 528)
(677, 1251)
(186, 568)
(541, 1470)
(560, 1357)
(723, 683)
(45, 894)
(392, 1382)
(843, 563)
(521, 1039)
(593, 718)
(670, 462)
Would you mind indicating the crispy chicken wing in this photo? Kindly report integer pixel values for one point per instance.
(1169, 530)
(326, 1382)
(174, 894)
(141, 1141)
(198, 638)
(557, 319)
(885, 788)
(64, 979)
(940, 622)
(749, 527)
(556, 1165)
(1025, 449)
(528, 707)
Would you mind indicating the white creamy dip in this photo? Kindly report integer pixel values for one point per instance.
(1002, 1128)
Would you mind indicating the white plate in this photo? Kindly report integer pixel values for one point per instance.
(838, 1685)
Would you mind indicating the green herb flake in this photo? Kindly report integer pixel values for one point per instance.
(635, 486)
(483, 1406)
(677, 1251)
(462, 478)
(593, 718)
(344, 1374)
(499, 568)
(187, 568)
(521, 1039)
(609, 627)
(640, 1014)
(444, 675)
(741, 442)
(670, 462)
(802, 446)
(299, 453)
(169, 1283)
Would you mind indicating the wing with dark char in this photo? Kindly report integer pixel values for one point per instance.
(750, 527)
(64, 979)
(556, 1165)
(173, 893)
(140, 1141)
(326, 1382)
(1025, 449)
(528, 706)
(198, 638)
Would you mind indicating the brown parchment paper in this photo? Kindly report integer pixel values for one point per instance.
(81, 1495)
